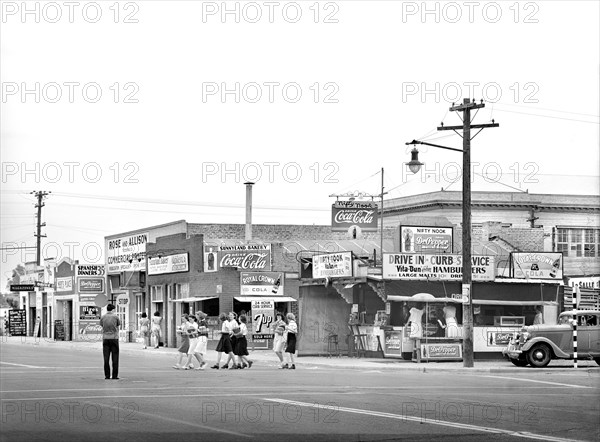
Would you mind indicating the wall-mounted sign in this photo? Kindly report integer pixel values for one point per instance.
(499, 338)
(263, 314)
(345, 214)
(393, 342)
(90, 285)
(120, 251)
(22, 287)
(261, 283)
(245, 257)
(444, 267)
(537, 265)
(426, 239)
(64, 284)
(169, 264)
(90, 270)
(332, 265)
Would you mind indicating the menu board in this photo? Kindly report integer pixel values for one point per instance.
(17, 322)
(59, 330)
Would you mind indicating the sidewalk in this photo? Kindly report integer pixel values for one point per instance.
(267, 358)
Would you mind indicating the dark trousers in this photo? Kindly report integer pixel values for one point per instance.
(111, 347)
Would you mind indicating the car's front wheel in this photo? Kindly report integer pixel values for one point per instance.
(519, 362)
(539, 355)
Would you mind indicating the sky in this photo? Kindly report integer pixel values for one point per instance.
(134, 114)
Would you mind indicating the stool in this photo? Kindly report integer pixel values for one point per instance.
(332, 345)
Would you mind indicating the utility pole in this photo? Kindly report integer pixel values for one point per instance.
(381, 239)
(466, 127)
(40, 203)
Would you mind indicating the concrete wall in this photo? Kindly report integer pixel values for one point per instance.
(322, 312)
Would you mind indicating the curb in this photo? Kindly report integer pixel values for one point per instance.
(339, 363)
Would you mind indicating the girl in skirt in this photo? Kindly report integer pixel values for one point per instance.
(224, 345)
(279, 340)
(194, 338)
(234, 330)
(185, 342)
(292, 330)
(241, 345)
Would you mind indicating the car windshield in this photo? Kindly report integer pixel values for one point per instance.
(564, 319)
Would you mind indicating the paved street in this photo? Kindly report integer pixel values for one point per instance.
(58, 392)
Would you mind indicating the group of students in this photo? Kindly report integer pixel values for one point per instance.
(233, 341)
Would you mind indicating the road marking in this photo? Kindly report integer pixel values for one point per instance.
(22, 365)
(536, 381)
(180, 422)
(167, 396)
(420, 420)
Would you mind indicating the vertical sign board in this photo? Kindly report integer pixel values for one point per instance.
(263, 314)
(426, 239)
(17, 322)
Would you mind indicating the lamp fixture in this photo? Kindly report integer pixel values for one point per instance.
(414, 164)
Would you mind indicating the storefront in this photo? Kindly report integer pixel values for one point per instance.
(499, 309)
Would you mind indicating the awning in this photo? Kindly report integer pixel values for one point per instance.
(264, 298)
(431, 300)
(194, 299)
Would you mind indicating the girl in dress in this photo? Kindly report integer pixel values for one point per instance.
(241, 345)
(193, 336)
(185, 342)
(145, 329)
(279, 340)
(156, 321)
(201, 348)
(224, 345)
(234, 329)
(292, 330)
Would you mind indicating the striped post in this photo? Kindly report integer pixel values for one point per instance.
(575, 293)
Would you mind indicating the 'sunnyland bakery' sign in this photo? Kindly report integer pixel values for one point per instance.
(332, 265)
(445, 267)
(538, 265)
(261, 283)
(421, 239)
(345, 214)
(245, 257)
(127, 253)
(168, 264)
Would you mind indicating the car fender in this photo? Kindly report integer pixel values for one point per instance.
(555, 349)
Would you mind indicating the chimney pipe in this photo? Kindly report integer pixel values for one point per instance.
(249, 211)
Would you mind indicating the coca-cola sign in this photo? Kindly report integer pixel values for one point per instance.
(246, 257)
(345, 214)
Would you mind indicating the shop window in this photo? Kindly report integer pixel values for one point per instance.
(182, 291)
(156, 293)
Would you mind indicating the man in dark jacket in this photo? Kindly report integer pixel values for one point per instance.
(110, 341)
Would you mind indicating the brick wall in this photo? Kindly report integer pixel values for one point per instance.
(278, 233)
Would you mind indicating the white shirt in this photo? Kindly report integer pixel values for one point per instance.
(415, 315)
(292, 327)
(243, 329)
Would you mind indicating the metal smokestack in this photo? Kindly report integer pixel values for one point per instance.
(248, 211)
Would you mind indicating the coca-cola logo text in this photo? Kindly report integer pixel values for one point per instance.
(354, 216)
(255, 261)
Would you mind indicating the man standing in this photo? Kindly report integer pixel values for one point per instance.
(110, 341)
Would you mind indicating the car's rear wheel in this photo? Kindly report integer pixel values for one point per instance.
(519, 362)
(597, 360)
(539, 355)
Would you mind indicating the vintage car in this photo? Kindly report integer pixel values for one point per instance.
(538, 344)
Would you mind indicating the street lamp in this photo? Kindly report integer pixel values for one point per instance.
(415, 165)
